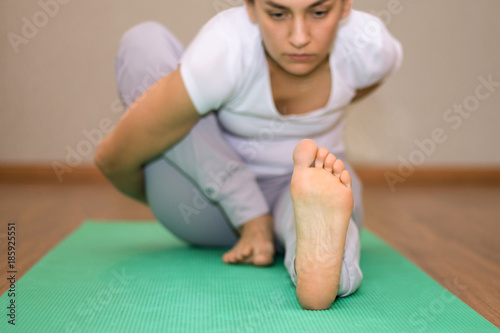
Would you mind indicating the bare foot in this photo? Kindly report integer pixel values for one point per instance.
(256, 243)
(322, 203)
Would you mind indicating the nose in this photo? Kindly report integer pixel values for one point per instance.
(299, 34)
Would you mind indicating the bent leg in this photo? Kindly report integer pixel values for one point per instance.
(285, 229)
(199, 188)
(183, 209)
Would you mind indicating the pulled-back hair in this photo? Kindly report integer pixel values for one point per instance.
(252, 1)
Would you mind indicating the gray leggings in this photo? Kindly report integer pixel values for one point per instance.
(200, 189)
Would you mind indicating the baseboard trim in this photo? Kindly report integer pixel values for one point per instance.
(47, 174)
(391, 176)
(369, 175)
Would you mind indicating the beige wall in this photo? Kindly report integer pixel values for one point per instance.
(447, 45)
(60, 81)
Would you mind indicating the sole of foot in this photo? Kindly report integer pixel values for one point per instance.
(322, 202)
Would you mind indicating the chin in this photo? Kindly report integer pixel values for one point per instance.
(300, 69)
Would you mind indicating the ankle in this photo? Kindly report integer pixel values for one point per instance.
(263, 222)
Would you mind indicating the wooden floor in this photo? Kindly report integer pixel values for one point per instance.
(450, 232)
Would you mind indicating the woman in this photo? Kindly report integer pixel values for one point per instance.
(241, 136)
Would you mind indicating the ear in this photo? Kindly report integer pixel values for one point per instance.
(346, 8)
(251, 10)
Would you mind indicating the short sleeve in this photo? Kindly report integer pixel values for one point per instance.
(210, 69)
(368, 51)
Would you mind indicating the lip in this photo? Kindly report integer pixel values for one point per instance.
(300, 57)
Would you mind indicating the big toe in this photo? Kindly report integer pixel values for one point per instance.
(304, 153)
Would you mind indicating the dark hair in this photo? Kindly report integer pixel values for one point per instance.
(251, 1)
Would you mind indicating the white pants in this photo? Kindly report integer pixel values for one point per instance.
(200, 189)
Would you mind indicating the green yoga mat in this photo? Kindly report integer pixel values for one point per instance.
(137, 277)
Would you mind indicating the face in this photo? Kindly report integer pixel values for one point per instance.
(298, 34)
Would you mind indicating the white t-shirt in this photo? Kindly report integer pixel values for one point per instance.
(225, 70)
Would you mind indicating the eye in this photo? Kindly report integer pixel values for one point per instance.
(277, 16)
(320, 14)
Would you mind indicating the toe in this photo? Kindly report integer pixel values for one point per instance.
(238, 256)
(338, 167)
(345, 178)
(247, 251)
(243, 253)
(304, 153)
(321, 155)
(228, 258)
(329, 161)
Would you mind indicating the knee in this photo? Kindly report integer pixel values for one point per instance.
(147, 52)
(140, 46)
(151, 35)
(139, 31)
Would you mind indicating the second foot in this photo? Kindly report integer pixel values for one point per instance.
(256, 244)
(322, 202)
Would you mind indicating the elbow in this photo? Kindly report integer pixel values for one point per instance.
(104, 161)
(110, 162)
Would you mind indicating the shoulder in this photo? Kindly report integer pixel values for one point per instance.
(366, 49)
(228, 35)
(360, 28)
(232, 25)
(214, 64)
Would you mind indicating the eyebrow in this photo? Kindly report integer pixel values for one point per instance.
(275, 5)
